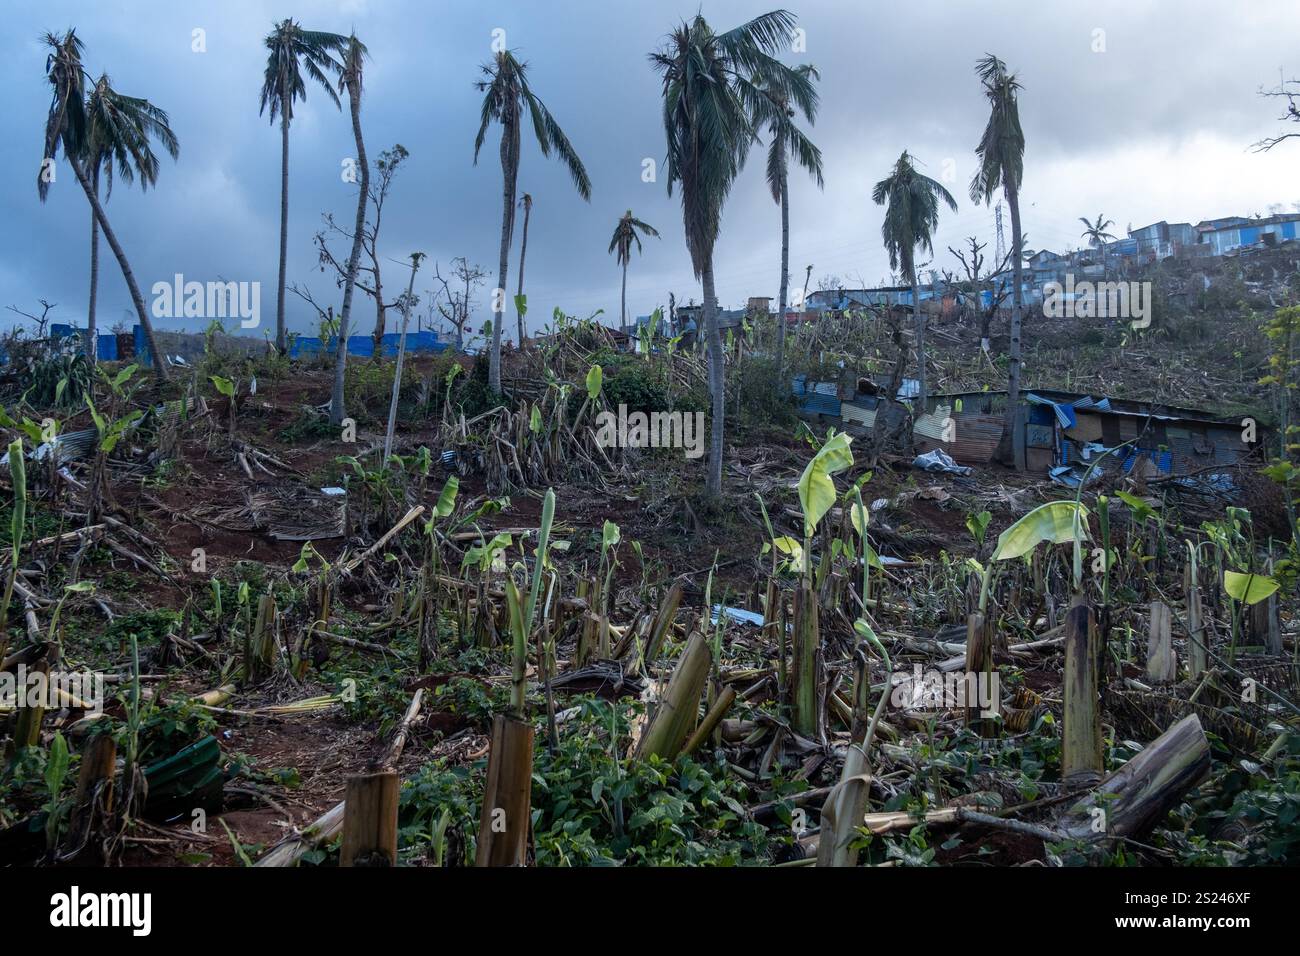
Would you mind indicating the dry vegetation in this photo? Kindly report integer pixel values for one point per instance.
(456, 630)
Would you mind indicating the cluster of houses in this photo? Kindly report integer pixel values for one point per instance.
(1229, 236)
(1056, 433)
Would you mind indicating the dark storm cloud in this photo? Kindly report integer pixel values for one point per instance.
(1154, 127)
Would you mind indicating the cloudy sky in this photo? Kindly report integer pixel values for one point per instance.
(1139, 110)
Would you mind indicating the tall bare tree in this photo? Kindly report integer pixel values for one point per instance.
(972, 263)
(369, 276)
(351, 80)
(456, 303)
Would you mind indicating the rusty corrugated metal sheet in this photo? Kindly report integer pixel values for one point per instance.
(977, 438)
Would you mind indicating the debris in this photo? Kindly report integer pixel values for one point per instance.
(939, 461)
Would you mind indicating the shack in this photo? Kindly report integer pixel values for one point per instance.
(1060, 433)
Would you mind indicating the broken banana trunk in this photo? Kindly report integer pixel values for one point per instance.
(806, 670)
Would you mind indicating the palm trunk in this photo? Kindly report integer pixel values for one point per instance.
(523, 251)
(623, 300)
(92, 350)
(920, 342)
(284, 231)
(716, 379)
(341, 353)
(509, 176)
(785, 271)
(142, 314)
(1013, 352)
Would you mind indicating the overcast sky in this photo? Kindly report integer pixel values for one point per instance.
(1156, 126)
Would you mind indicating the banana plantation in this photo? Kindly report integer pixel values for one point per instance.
(921, 575)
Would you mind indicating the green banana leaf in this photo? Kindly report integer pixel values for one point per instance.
(816, 489)
(1053, 522)
(1248, 588)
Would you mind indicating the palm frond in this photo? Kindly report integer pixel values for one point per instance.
(65, 122)
(291, 51)
(1001, 150)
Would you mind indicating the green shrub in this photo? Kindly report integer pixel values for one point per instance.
(765, 397)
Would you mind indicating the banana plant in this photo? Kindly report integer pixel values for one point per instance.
(322, 585)
(1057, 522)
(522, 613)
(609, 539)
(817, 488)
(17, 525)
(111, 432)
(54, 636)
(1248, 588)
(646, 333)
(860, 517)
(229, 389)
(780, 544)
(432, 568)
(816, 495)
(487, 556)
(595, 382)
(57, 762)
(1108, 554)
(978, 526)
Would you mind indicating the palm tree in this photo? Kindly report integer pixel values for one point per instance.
(625, 233)
(508, 98)
(292, 50)
(717, 88)
(1001, 153)
(68, 126)
(1096, 234)
(911, 201)
(527, 202)
(350, 79)
(788, 141)
(118, 130)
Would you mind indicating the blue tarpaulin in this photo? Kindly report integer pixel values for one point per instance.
(300, 346)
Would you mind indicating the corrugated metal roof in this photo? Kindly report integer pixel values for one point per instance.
(817, 403)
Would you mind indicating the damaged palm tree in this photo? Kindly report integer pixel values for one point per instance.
(504, 819)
